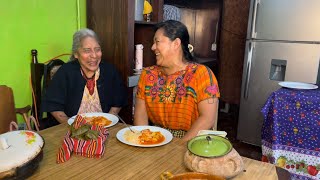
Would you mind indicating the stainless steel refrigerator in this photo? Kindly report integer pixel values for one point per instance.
(283, 44)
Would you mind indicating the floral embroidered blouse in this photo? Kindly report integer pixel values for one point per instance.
(172, 100)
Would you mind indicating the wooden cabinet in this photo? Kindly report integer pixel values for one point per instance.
(233, 40)
(203, 20)
(113, 21)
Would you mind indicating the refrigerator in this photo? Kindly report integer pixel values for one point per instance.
(282, 44)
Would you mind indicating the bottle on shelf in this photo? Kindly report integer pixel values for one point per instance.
(147, 11)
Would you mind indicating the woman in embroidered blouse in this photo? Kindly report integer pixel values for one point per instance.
(177, 93)
(85, 84)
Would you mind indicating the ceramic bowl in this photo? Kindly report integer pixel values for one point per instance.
(209, 146)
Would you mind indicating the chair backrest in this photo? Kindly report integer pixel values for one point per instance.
(41, 75)
(49, 70)
(7, 108)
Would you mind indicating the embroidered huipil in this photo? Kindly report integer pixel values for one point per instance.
(172, 100)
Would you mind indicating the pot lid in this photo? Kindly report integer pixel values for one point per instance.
(209, 146)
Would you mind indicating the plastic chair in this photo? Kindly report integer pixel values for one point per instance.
(8, 119)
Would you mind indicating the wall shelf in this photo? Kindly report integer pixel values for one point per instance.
(146, 23)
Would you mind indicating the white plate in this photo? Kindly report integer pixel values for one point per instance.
(111, 117)
(217, 133)
(164, 132)
(297, 85)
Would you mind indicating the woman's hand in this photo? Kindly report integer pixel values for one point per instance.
(208, 113)
(60, 116)
(140, 113)
(114, 110)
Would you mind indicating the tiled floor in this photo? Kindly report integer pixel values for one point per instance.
(228, 122)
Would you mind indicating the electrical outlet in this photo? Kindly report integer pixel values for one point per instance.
(214, 47)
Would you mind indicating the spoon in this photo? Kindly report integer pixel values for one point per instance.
(124, 123)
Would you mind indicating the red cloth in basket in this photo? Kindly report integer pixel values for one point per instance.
(87, 148)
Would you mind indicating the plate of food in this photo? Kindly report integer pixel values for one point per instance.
(297, 85)
(100, 119)
(144, 136)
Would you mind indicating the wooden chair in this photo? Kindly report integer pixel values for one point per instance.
(49, 70)
(41, 75)
(8, 119)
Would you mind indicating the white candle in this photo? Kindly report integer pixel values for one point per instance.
(139, 56)
(3, 143)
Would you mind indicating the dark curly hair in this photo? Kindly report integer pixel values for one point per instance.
(175, 29)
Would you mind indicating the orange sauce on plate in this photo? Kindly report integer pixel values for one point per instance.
(148, 137)
(98, 121)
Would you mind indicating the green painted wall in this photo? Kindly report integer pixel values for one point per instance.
(45, 25)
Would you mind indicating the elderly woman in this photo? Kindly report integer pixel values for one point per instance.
(85, 84)
(177, 93)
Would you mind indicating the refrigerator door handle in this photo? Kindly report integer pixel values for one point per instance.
(254, 19)
(248, 70)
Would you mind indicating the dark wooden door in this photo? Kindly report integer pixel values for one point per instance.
(113, 21)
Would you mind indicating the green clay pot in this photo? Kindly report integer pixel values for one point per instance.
(209, 146)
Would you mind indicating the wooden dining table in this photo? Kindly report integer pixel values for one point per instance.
(122, 161)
